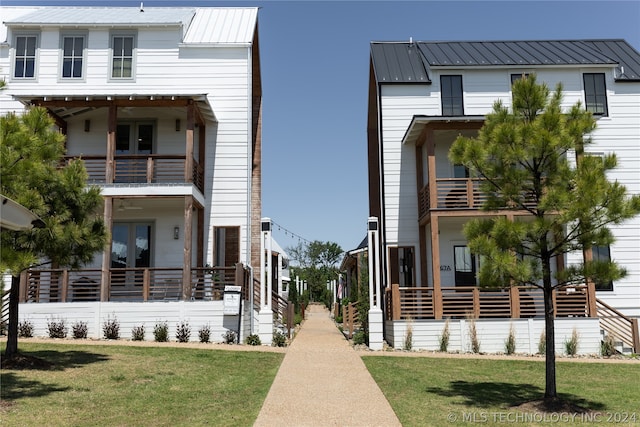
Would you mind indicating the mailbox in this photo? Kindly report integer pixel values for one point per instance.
(232, 297)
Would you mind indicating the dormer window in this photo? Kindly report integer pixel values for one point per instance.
(25, 57)
(72, 56)
(123, 48)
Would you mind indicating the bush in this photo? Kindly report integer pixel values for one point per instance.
(111, 328)
(25, 329)
(473, 335)
(56, 328)
(253, 339)
(279, 339)
(297, 318)
(137, 333)
(608, 346)
(571, 345)
(79, 330)
(407, 344)
(230, 337)
(510, 342)
(444, 338)
(183, 332)
(204, 334)
(338, 319)
(161, 332)
(542, 343)
(360, 337)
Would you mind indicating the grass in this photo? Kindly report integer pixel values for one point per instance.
(440, 391)
(137, 386)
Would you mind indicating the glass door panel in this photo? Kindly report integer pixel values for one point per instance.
(464, 266)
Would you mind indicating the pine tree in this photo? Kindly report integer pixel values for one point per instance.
(31, 152)
(533, 159)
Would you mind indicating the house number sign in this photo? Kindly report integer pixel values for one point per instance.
(445, 268)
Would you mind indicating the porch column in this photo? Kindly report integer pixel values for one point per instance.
(188, 241)
(188, 161)
(431, 169)
(105, 281)
(376, 319)
(435, 265)
(265, 316)
(200, 237)
(111, 143)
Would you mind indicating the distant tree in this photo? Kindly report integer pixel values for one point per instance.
(317, 263)
(31, 151)
(524, 158)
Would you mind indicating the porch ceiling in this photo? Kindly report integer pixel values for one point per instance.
(420, 123)
(67, 106)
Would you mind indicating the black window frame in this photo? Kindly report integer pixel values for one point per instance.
(28, 61)
(451, 90)
(595, 93)
(602, 253)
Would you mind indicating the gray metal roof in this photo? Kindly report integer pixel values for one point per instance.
(400, 62)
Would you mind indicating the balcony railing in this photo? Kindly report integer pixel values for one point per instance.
(453, 193)
(130, 284)
(145, 169)
(462, 302)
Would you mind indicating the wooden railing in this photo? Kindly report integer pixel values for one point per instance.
(461, 302)
(453, 193)
(618, 325)
(130, 284)
(147, 168)
(350, 318)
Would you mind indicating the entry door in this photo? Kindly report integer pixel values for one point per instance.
(464, 265)
(133, 138)
(401, 266)
(130, 248)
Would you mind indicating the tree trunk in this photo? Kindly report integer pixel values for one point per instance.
(550, 392)
(12, 331)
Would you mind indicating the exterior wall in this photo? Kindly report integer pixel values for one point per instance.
(492, 334)
(197, 314)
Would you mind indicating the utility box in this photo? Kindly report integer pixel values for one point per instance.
(232, 297)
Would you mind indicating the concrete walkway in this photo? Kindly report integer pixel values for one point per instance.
(323, 382)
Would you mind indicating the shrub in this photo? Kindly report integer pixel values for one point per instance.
(183, 331)
(571, 345)
(542, 343)
(204, 334)
(297, 318)
(407, 344)
(79, 330)
(25, 329)
(230, 337)
(608, 346)
(137, 333)
(473, 335)
(56, 328)
(338, 319)
(253, 339)
(279, 339)
(510, 342)
(111, 328)
(360, 337)
(444, 338)
(161, 332)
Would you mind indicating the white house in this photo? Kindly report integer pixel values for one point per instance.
(164, 106)
(422, 95)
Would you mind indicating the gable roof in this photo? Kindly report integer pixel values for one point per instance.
(411, 62)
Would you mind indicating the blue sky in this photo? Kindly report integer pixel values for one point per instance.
(315, 70)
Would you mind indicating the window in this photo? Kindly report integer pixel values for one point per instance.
(464, 265)
(227, 246)
(451, 93)
(595, 93)
(401, 266)
(25, 65)
(602, 253)
(516, 77)
(122, 65)
(72, 55)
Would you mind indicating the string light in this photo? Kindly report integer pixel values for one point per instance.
(289, 232)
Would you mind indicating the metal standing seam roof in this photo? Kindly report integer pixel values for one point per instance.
(222, 26)
(395, 62)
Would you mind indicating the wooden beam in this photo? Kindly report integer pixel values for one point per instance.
(106, 254)
(435, 265)
(101, 103)
(112, 125)
(188, 238)
(396, 309)
(431, 169)
(188, 161)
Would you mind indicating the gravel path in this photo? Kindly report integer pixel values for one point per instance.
(323, 382)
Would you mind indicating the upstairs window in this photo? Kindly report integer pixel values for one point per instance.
(72, 56)
(451, 94)
(25, 65)
(595, 93)
(122, 56)
(516, 77)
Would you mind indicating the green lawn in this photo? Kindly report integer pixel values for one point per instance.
(137, 386)
(440, 391)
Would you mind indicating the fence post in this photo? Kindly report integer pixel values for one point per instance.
(514, 296)
(635, 335)
(476, 303)
(65, 285)
(290, 318)
(146, 282)
(351, 320)
(592, 310)
(396, 304)
(24, 279)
